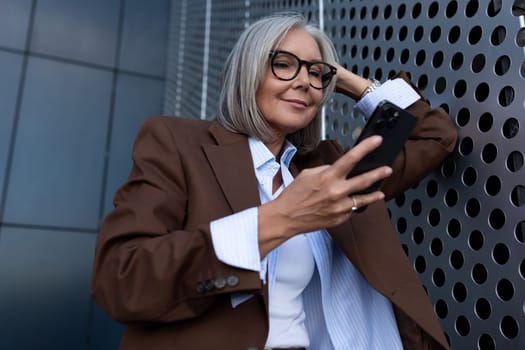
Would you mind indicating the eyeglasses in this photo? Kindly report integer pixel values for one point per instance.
(286, 66)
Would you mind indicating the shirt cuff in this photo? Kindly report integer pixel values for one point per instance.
(235, 240)
(397, 91)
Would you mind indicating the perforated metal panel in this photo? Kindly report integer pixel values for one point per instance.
(463, 226)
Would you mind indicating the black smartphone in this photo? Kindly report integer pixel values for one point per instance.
(394, 125)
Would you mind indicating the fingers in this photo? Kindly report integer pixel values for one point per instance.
(344, 164)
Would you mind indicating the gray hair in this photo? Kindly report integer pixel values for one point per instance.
(245, 69)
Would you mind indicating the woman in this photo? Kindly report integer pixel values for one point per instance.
(224, 238)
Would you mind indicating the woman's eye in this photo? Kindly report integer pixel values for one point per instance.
(281, 65)
(314, 73)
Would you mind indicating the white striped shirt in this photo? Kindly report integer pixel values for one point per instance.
(342, 310)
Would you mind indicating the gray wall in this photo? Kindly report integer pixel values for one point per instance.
(463, 226)
(77, 78)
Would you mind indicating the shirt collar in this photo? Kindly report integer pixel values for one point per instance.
(261, 155)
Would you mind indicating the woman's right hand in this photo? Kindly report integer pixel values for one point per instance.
(319, 197)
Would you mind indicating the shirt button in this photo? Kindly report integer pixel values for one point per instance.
(232, 280)
(220, 283)
(209, 285)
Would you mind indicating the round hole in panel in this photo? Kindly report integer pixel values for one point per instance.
(433, 9)
(364, 32)
(502, 65)
(472, 207)
(401, 225)
(435, 34)
(420, 264)
(497, 219)
(483, 308)
(390, 54)
(451, 9)
(469, 176)
(400, 199)
(362, 14)
(522, 269)
(389, 32)
(486, 342)
(501, 254)
(517, 196)
(376, 32)
(459, 292)
(509, 327)
(476, 240)
(486, 121)
(493, 185)
(493, 8)
(418, 33)
(441, 85)
(441, 309)
(451, 197)
(454, 34)
(416, 10)
(401, 11)
(436, 247)
(418, 235)
(505, 290)
(462, 326)
(466, 146)
(482, 92)
(437, 60)
(520, 37)
(472, 8)
(514, 161)
(454, 228)
(421, 56)
(457, 61)
(387, 12)
(463, 117)
(519, 231)
(403, 33)
(432, 188)
(479, 273)
(460, 88)
(416, 207)
(478, 63)
(475, 35)
(375, 12)
(456, 259)
(489, 153)
(511, 128)
(364, 52)
(405, 55)
(498, 35)
(422, 82)
(448, 168)
(438, 277)
(506, 96)
(434, 217)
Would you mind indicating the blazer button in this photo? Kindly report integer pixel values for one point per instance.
(201, 288)
(209, 285)
(232, 280)
(220, 283)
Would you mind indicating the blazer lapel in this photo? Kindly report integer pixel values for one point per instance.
(232, 164)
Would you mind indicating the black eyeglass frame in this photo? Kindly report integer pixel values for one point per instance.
(308, 64)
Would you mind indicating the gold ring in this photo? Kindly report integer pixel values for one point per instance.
(354, 207)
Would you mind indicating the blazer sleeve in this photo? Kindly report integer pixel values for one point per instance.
(429, 143)
(148, 267)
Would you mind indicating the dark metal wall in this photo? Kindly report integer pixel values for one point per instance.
(463, 226)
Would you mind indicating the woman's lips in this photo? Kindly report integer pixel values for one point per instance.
(297, 103)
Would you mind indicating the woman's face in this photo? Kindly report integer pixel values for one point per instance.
(290, 105)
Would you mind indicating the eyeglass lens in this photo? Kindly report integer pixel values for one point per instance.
(286, 66)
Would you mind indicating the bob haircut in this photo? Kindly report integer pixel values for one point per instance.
(245, 69)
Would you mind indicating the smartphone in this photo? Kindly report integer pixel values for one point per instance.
(394, 125)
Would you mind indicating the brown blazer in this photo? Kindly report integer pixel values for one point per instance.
(155, 268)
